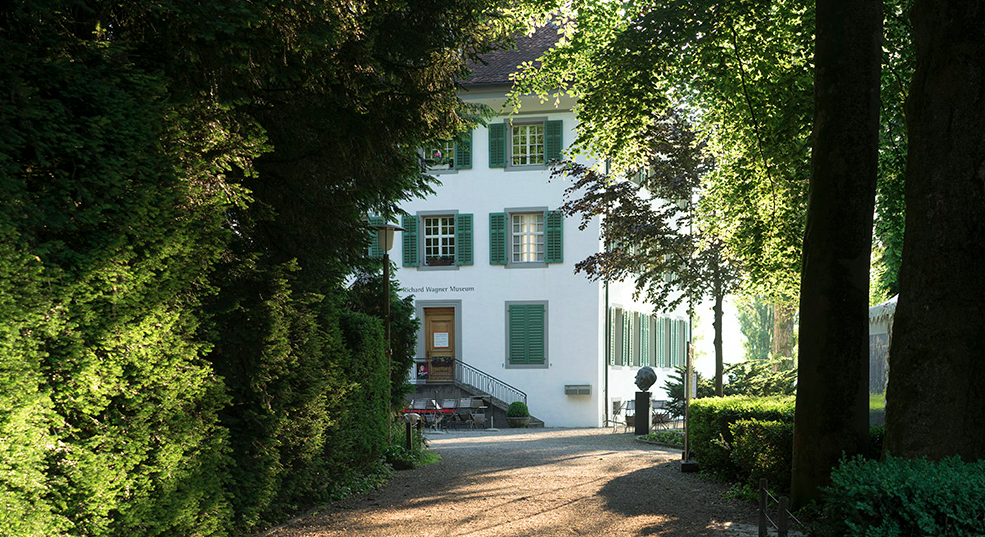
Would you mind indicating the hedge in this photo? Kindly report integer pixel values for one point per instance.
(906, 497)
(763, 449)
(710, 423)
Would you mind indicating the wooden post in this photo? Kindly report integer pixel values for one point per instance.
(782, 525)
(763, 532)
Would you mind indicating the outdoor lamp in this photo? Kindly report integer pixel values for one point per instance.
(385, 235)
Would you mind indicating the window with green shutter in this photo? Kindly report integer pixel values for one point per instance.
(617, 337)
(554, 237)
(409, 240)
(374, 246)
(463, 151)
(463, 236)
(553, 137)
(526, 334)
(612, 336)
(497, 145)
(627, 336)
(497, 238)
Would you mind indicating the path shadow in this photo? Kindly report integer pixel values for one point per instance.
(686, 504)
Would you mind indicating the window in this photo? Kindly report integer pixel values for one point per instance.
(527, 145)
(526, 237)
(526, 334)
(449, 155)
(440, 156)
(437, 240)
(524, 144)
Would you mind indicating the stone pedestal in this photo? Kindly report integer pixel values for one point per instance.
(642, 413)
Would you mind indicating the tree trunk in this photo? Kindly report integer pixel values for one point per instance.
(783, 313)
(832, 387)
(719, 358)
(934, 404)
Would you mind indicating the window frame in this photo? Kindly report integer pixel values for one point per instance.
(464, 251)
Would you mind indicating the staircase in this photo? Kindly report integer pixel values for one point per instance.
(471, 382)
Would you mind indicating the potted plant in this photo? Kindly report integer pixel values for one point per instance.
(517, 414)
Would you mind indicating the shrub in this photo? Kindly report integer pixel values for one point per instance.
(675, 391)
(762, 378)
(709, 427)
(906, 497)
(763, 449)
(670, 438)
(517, 409)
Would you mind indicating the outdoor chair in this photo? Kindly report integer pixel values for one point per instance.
(615, 419)
(661, 416)
(478, 418)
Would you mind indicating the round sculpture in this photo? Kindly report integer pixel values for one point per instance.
(645, 378)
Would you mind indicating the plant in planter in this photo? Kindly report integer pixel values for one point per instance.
(517, 414)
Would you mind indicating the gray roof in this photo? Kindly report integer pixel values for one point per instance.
(496, 67)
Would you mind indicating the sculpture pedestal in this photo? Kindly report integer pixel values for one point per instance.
(642, 413)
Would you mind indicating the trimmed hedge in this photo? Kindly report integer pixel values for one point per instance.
(906, 497)
(710, 423)
(763, 449)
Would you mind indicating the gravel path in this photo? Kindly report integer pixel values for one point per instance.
(526, 482)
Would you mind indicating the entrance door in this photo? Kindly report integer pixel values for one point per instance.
(439, 336)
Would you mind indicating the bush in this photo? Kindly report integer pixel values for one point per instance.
(710, 421)
(517, 409)
(763, 449)
(675, 391)
(669, 438)
(762, 378)
(906, 497)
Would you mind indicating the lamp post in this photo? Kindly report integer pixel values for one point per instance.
(385, 233)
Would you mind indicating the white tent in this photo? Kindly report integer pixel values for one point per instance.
(880, 335)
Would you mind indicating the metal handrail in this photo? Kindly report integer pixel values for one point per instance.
(487, 383)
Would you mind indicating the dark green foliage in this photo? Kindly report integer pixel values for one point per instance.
(669, 438)
(906, 497)
(763, 449)
(113, 408)
(517, 409)
(674, 386)
(710, 423)
(761, 378)
(146, 293)
(366, 295)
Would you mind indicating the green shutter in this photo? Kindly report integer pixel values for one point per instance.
(497, 145)
(552, 140)
(612, 336)
(526, 333)
(644, 339)
(374, 247)
(536, 346)
(463, 239)
(617, 337)
(497, 238)
(627, 336)
(553, 237)
(409, 223)
(463, 151)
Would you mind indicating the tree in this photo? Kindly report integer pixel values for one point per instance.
(756, 325)
(743, 68)
(933, 403)
(832, 392)
(648, 223)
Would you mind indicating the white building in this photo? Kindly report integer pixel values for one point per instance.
(490, 263)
